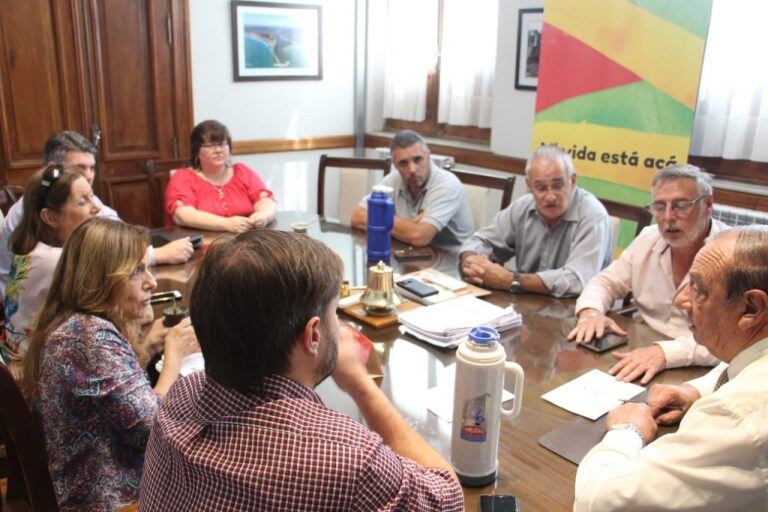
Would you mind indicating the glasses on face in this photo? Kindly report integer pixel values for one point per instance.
(541, 188)
(50, 176)
(215, 145)
(678, 207)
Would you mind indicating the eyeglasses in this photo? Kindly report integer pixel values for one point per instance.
(215, 145)
(50, 176)
(678, 207)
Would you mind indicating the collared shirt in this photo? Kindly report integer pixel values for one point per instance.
(645, 269)
(441, 200)
(717, 460)
(13, 219)
(213, 448)
(564, 256)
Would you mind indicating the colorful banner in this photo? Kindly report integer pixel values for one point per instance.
(618, 81)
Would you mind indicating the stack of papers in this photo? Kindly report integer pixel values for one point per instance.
(446, 324)
(593, 394)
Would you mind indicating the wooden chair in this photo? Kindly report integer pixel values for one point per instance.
(12, 194)
(478, 207)
(636, 214)
(28, 479)
(369, 164)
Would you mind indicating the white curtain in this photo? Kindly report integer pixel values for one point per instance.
(467, 62)
(411, 53)
(732, 113)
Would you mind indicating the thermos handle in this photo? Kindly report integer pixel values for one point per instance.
(515, 370)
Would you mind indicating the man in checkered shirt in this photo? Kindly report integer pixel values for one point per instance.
(250, 433)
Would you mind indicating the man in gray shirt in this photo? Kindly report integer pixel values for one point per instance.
(430, 205)
(558, 234)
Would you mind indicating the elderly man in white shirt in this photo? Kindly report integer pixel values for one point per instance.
(717, 458)
(654, 267)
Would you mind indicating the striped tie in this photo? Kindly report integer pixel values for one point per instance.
(722, 379)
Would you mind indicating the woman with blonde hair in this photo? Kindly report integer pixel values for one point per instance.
(81, 374)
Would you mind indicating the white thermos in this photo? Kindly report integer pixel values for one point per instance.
(481, 366)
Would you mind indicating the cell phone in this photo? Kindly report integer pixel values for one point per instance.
(197, 241)
(417, 288)
(413, 254)
(499, 503)
(607, 342)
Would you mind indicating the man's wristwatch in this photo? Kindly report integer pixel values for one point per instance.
(516, 286)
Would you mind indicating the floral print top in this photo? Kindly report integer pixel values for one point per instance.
(95, 408)
(28, 282)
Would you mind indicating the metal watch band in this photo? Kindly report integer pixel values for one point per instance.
(630, 427)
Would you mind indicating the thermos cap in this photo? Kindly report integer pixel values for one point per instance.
(482, 335)
(384, 189)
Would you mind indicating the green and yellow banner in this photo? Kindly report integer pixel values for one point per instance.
(618, 81)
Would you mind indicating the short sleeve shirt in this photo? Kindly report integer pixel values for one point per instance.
(236, 197)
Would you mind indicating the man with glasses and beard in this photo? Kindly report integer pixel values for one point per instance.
(653, 268)
(250, 433)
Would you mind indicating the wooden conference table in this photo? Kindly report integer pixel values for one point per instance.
(541, 479)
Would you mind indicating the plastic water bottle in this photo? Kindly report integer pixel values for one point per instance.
(381, 217)
(481, 366)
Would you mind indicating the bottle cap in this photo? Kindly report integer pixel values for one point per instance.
(384, 189)
(484, 335)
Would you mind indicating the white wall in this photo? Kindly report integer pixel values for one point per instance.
(513, 110)
(273, 109)
(277, 109)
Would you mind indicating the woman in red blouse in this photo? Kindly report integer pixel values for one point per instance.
(214, 194)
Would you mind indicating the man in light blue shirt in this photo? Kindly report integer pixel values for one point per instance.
(71, 150)
(430, 205)
(558, 234)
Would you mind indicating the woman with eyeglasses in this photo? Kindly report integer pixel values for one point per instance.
(82, 375)
(214, 194)
(56, 201)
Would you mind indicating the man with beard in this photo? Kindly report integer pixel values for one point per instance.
(250, 433)
(717, 458)
(430, 205)
(654, 267)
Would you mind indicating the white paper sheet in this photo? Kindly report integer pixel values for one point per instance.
(593, 394)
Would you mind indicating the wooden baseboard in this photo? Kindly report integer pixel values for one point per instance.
(247, 147)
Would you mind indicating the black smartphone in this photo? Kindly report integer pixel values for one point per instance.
(413, 254)
(417, 288)
(498, 503)
(608, 342)
(196, 240)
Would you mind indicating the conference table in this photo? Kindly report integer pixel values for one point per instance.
(540, 479)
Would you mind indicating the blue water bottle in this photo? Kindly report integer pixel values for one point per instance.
(381, 217)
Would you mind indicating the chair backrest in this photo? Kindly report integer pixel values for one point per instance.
(476, 187)
(367, 164)
(12, 194)
(27, 460)
(628, 212)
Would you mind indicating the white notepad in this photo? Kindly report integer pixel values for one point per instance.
(593, 394)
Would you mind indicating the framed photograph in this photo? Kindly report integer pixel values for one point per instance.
(529, 25)
(272, 41)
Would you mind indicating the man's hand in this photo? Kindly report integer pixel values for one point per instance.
(669, 404)
(480, 270)
(636, 414)
(593, 324)
(646, 361)
(178, 251)
(350, 369)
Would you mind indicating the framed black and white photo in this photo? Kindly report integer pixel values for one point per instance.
(529, 26)
(272, 41)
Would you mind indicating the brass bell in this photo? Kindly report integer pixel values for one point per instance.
(380, 298)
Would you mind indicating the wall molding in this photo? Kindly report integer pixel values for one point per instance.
(247, 147)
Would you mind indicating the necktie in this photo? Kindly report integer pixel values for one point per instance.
(722, 379)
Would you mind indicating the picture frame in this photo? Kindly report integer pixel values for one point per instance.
(276, 41)
(530, 23)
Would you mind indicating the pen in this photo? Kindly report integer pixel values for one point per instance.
(665, 408)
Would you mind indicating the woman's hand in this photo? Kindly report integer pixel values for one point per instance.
(238, 224)
(181, 341)
(259, 219)
(155, 337)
